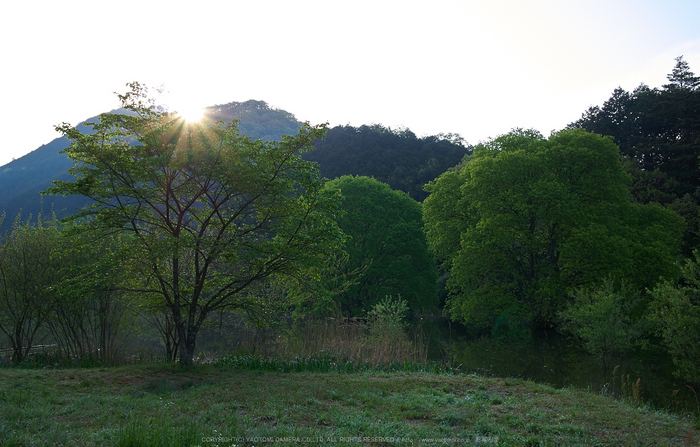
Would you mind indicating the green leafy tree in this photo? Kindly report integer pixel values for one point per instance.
(28, 273)
(92, 317)
(606, 320)
(527, 218)
(675, 312)
(212, 215)
(658, 131)
(386, 244)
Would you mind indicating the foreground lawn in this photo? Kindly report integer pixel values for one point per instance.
(205, 406)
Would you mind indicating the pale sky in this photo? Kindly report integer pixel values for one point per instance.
(474, 67)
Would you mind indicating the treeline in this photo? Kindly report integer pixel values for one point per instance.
(188, 221)
(592, 231)
(658, 133)
(396, 157)
(591, 234)
(61, 290)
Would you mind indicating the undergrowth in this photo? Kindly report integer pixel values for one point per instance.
(326, 363)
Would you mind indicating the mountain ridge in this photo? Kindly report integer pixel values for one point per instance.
(22, 180)
(396, 157)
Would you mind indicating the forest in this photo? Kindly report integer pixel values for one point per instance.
(208, 238)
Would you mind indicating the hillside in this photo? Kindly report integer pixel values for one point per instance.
(22, 180)
(396, 157)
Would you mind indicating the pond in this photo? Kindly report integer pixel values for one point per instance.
(548, 357)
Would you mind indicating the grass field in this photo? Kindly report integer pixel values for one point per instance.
(208, 405)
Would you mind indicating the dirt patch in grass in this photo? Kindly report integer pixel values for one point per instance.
(419, 421)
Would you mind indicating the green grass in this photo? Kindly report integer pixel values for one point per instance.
(326, 362)
(244, 403)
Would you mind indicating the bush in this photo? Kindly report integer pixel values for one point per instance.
(603, 320)
(386, 319)
(676, 315)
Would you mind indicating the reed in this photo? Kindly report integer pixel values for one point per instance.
(354, 340)
(344, 345)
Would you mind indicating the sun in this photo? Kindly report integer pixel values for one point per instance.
(190, 113)
(183, 106)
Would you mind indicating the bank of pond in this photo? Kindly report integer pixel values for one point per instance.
(547, 357)
(246, 400)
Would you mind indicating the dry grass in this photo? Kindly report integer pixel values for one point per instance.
(350, 339)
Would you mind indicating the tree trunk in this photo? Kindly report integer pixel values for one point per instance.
(188, 339)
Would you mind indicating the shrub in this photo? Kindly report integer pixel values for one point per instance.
(675, 312)
(603, 320)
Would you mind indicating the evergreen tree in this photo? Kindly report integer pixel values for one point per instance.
(658, 132)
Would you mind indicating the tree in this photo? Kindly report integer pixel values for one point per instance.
(658, 128)
(675, 312)
(91, 316)
(527, 219)
(659, 131)
(606, 320)
(28, 272)
(385, 241)
(212, 215)
(681, 77)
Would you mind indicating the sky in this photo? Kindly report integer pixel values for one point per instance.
(478, 68)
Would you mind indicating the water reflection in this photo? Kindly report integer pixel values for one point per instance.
(548, 357)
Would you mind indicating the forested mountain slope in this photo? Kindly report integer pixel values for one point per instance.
(22, 180)
(398, 158)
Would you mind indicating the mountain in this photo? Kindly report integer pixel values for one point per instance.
(258, 120)
(395, 157)
(23, 179)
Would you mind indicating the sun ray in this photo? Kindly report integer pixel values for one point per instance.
(183, 106)
(190, 113)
